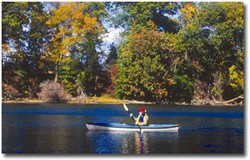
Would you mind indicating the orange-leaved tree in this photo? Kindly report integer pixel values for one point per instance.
(70, 25)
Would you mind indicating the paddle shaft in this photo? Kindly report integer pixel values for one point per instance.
(126, 108)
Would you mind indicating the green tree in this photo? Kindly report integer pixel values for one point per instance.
(24, 45)
(112, 57)
(13, 19)
(212, 36)
(111, 64)
(130, 14)
(146, 65)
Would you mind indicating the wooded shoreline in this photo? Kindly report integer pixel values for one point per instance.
(170, 53)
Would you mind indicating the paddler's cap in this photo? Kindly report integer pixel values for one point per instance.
(141, 109)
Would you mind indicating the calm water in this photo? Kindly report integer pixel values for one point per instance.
(53, 128)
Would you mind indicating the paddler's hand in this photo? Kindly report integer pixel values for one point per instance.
(136, 123)
(131, 115)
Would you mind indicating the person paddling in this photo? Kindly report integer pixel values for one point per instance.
(142, 118)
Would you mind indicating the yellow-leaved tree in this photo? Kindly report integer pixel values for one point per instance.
(70, 25)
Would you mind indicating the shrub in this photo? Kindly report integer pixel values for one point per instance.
(9, 92)
(52, 92)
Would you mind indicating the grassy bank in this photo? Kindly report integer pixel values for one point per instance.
(88, 100)
(103, 100)
(111, 100)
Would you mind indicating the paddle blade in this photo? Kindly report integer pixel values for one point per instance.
(125, 107)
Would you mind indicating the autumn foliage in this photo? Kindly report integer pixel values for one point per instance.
(168, 51)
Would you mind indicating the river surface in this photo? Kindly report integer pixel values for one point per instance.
(61, 128)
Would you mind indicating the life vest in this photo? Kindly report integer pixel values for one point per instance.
(141, 117)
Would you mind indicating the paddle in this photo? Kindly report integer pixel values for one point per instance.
(126, 109)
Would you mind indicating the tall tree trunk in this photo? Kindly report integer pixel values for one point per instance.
(217, 89)
(56, 74)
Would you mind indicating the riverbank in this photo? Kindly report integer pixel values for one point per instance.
(110, 100)
(89, 100)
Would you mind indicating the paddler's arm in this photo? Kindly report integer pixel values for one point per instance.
(131, 116)
(135, 119)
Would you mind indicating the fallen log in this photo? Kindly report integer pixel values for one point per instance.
(234, 99)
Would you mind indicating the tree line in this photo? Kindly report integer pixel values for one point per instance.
(170, 51)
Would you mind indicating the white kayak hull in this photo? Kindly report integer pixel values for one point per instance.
(126, 127)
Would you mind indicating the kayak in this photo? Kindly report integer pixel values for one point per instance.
(126, 127)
